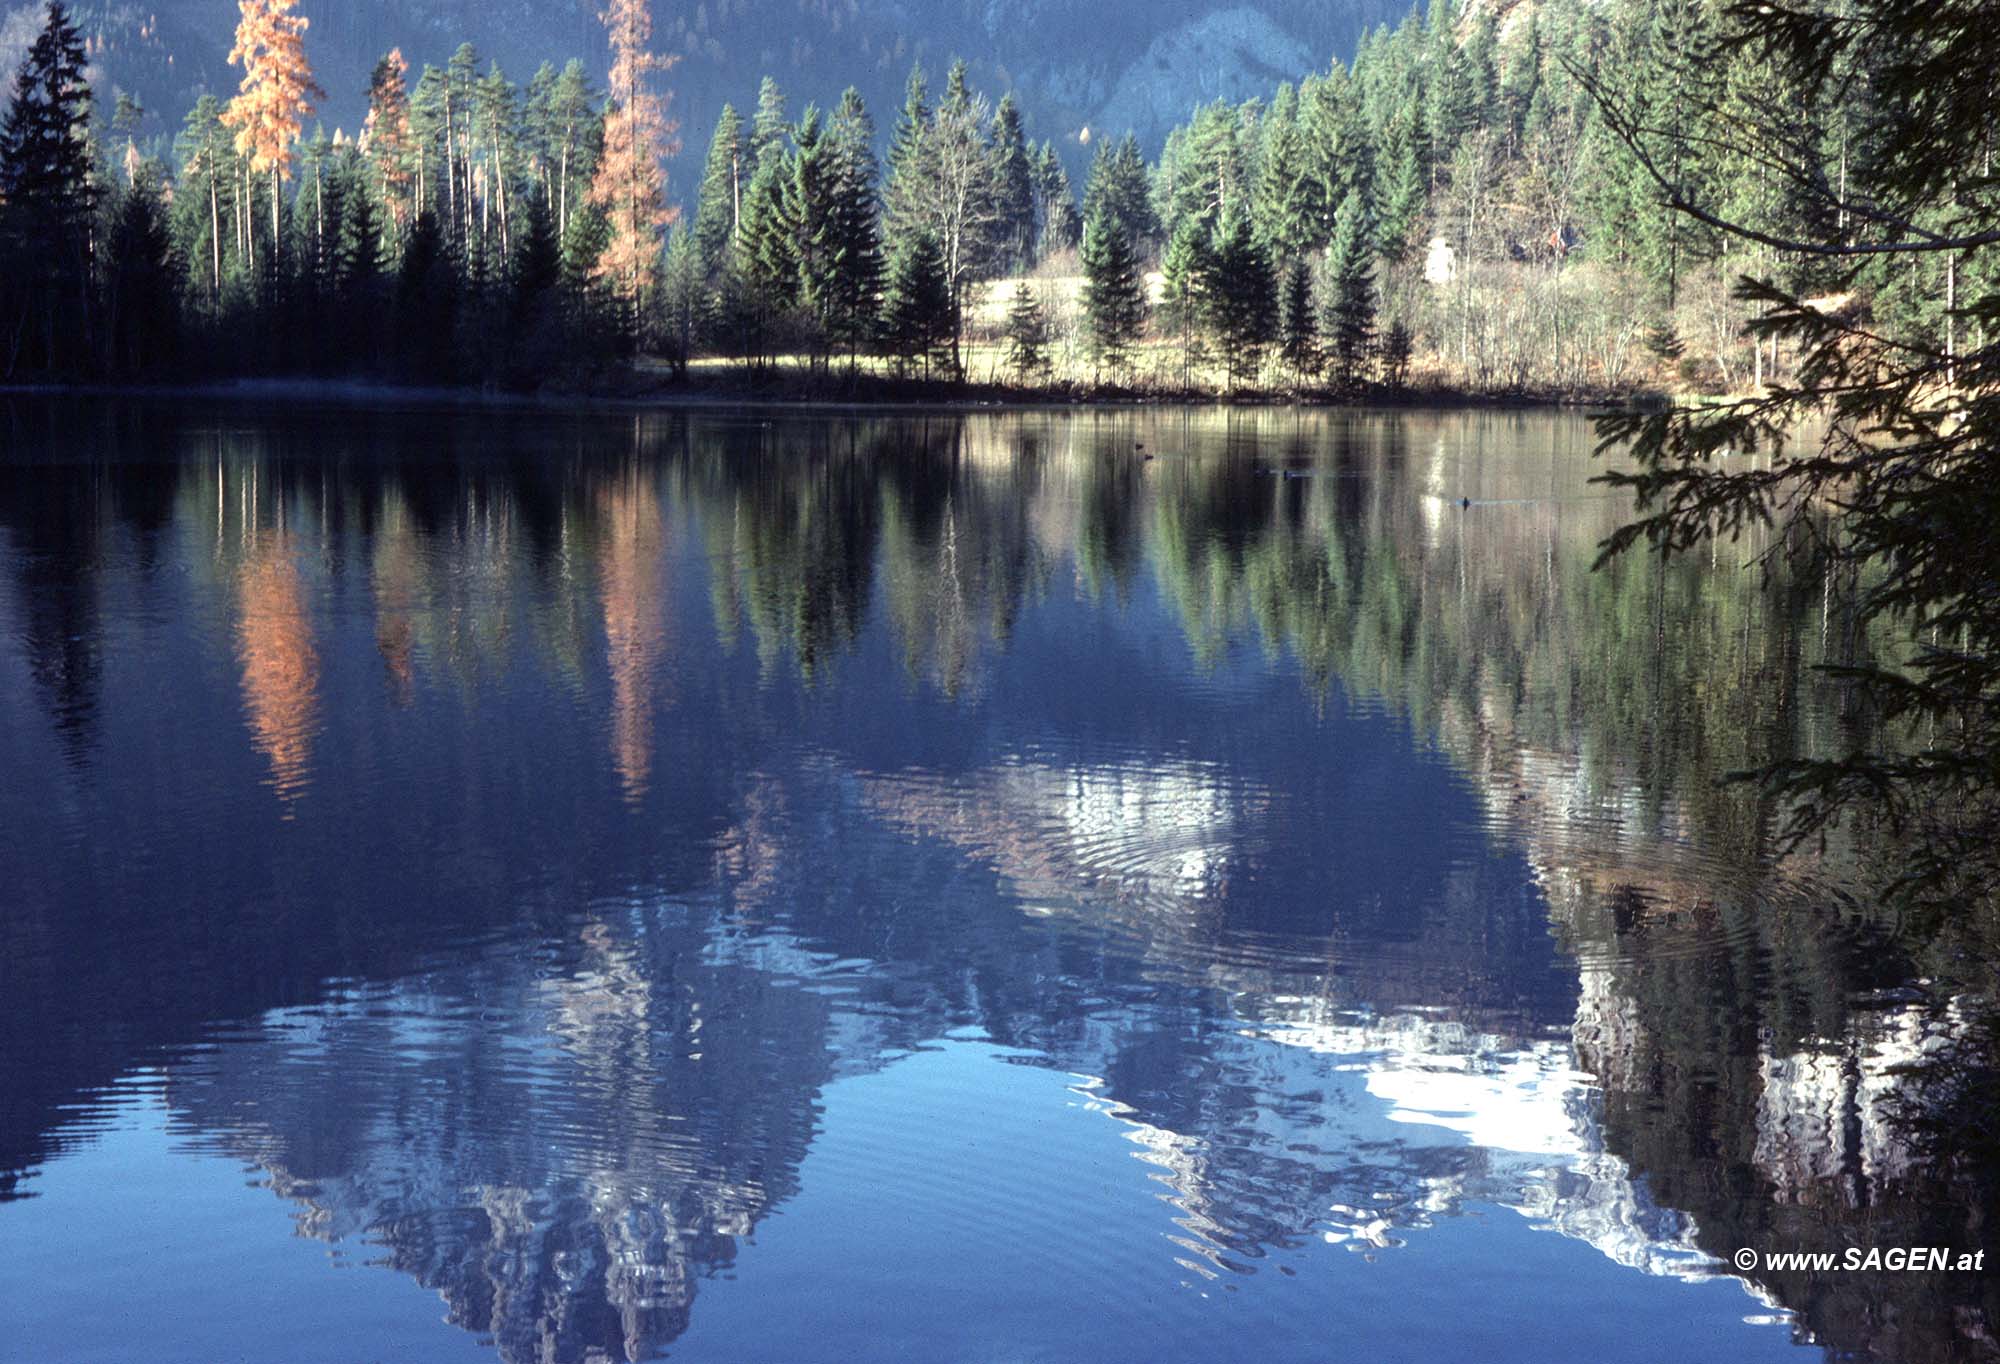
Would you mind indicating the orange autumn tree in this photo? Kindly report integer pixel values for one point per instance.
(385, 136)
(276, 93)
(630, 188)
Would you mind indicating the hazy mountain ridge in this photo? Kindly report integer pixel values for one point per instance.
(1103, 66)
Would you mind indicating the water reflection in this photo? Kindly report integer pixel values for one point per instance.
(1294, 791)
(280, 667)
(635, 635)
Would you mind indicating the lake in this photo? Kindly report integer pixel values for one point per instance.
(744, 885)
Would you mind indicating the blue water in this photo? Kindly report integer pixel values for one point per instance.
(573, 887)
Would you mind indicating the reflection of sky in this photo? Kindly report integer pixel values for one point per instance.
(957, 1205)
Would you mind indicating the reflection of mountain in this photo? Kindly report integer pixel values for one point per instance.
(562, 1181)
(1358, 848)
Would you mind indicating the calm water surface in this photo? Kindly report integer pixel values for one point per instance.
(738, 886)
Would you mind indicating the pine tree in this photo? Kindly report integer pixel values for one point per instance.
(276, 92)
(497, 136)
(427, 133)
(630, 186)
(719, 202)
(385, 136)
(461, 73)
(1027, 334)
(207, 184)
(571, 135)
(1114, 294)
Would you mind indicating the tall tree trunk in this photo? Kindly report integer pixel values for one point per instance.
(450, 159)
(562, 196)
(215, 230)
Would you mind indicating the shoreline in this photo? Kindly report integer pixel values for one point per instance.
(911, 396)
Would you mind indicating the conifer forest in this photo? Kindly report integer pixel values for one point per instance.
(1491, 198)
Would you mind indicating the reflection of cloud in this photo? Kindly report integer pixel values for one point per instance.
(635, 632)
(1162, 835)
(1531, 1112)
(280, 666)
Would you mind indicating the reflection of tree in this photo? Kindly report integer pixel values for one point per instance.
(52, 519)
(280, 664)
(632, 560)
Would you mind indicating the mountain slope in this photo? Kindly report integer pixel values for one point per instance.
(1109, 66)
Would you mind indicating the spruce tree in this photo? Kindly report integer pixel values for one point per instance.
(917, 311)
(1118, 192)
(906, 142)
(1059, 221)
(1339, 152)
(810, 222)
(770, 128)
(683, 289)
(1013, 189)
(1288, 210)
(361, 258)
(1188, 269)
(1298, 340)
(1027, 334)
(47, 201)
(1114, 294)
(1402, 191)
(854, 247)
(142, 297)
(769, 250)
(1243, 297)
(537, 265)
(1351, 290)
